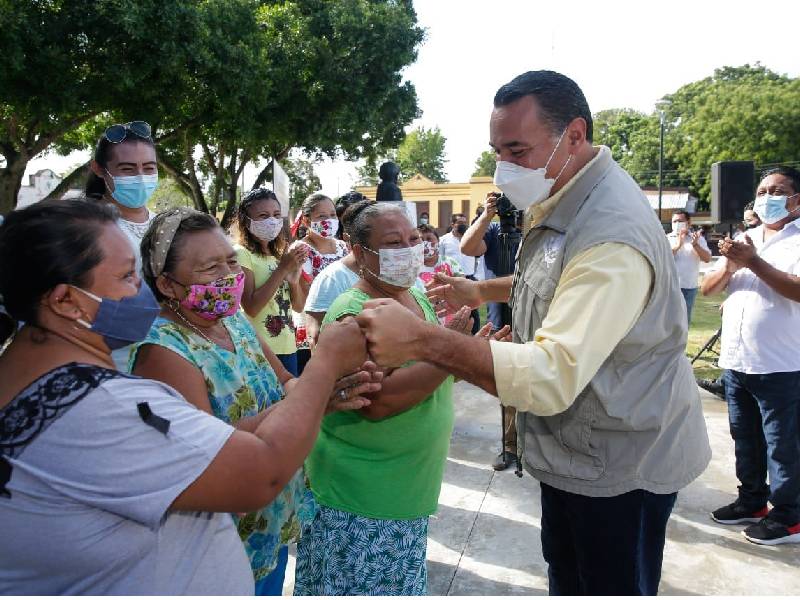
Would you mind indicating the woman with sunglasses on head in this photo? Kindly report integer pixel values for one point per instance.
(271, 273)
(111, 484)
(203, 346)
(124, 172)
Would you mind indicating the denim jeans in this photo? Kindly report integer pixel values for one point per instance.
(764, 412)
(689, 294)
(604, 546)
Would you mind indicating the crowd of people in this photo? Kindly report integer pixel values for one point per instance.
(181, 403)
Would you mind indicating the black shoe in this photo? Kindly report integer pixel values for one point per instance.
(772, 533)
(735, 513)
(504, 460)
(715, 386)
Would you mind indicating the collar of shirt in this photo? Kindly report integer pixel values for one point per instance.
(539, 212)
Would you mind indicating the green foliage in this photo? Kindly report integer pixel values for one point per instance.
(65, 62)
(422, 151)
(303, 179)
(739, 113)
(168, 194)
(485, 165)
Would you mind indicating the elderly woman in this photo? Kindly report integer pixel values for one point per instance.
(203, 346)
(111, 484)
(376, 473)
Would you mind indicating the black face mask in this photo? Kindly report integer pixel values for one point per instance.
(461, 229)
(750, 225)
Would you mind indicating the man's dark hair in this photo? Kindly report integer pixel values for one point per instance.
(455, 217)
(789, 172)
(683, 212)
(559, 98)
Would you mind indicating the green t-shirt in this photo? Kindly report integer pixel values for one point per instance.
(387, 469)
(273, 322)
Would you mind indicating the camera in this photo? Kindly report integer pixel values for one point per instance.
(504, 206)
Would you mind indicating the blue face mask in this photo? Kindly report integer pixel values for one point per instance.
(134, 191)
(771, 209)
(125, 321)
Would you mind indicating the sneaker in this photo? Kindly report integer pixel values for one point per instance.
(504, 460)
(715, 386)
(735, 513)
(772, 533)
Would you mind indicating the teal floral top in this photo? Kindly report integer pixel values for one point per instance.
(241, 384)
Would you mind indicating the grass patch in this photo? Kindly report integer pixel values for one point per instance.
(706, 319)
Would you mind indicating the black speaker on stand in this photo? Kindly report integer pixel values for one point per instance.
(732, 187)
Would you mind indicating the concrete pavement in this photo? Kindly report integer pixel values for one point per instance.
(485, 539)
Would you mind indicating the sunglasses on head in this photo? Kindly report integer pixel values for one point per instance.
(117, 133)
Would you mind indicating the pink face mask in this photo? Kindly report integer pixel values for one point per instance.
(220, 298)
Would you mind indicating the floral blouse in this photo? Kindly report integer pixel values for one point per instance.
(242, 384)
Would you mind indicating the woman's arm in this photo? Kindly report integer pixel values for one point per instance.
(255, 299)
(251, 469)
(164, 365)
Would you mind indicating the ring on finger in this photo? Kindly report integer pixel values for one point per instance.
(342, 395)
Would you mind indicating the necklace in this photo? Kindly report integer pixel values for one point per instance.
(191, 325)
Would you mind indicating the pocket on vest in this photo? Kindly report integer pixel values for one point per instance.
(562, 444)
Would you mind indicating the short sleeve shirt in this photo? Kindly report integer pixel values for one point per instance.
(91, 483)
(332, 281)
(242, 384)
(761, 328)
(687, 262)
(386, 469)
(274, 321)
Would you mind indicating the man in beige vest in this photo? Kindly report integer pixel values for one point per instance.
(609, 418)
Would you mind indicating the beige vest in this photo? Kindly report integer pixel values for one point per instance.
(638, 424)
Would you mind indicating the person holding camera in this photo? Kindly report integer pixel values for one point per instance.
(608, 414)
(497, 243)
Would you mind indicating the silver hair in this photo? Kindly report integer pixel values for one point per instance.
(361, 225)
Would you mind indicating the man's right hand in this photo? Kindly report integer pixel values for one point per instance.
(448, 294)
(489, 206)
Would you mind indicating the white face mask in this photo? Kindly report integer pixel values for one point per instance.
(678, 226)
(326, 228)
(527, 187)
(266, 229)
(399, 267)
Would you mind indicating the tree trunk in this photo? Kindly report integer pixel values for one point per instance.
(11, 180)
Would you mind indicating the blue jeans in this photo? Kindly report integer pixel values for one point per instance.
(604, 546)
(272, 584)
(290, 362)
(689, 294)
(764, 412)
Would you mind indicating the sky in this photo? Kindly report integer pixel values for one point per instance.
(623, 54)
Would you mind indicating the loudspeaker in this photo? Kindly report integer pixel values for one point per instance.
(732, 187)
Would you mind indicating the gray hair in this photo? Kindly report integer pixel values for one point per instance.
(362, 215)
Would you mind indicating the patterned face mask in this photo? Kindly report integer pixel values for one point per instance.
(220, 298)
(326, 228)
(430, 249)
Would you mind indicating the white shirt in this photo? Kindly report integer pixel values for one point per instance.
(135, 232)
(450, 246)
(686, 260)
(761, 328)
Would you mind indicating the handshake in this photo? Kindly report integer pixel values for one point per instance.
(389, 334)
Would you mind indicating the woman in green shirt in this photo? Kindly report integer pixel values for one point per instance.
(376, 473)
(272, 273)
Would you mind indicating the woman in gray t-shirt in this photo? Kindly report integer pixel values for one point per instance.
(112, 484)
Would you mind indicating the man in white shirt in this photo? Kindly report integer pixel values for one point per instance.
(760, 343)
(689, 249)
(450, 247)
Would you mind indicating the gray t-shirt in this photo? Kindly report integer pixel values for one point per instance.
(91, 483)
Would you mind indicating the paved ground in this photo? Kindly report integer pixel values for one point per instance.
(485, 538)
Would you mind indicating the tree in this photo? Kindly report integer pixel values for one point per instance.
(485, 164)
(422, 151)
(64, 64)
(321, 76)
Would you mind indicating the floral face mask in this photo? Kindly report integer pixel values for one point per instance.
(220, 298)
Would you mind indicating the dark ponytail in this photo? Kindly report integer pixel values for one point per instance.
(43, 245)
